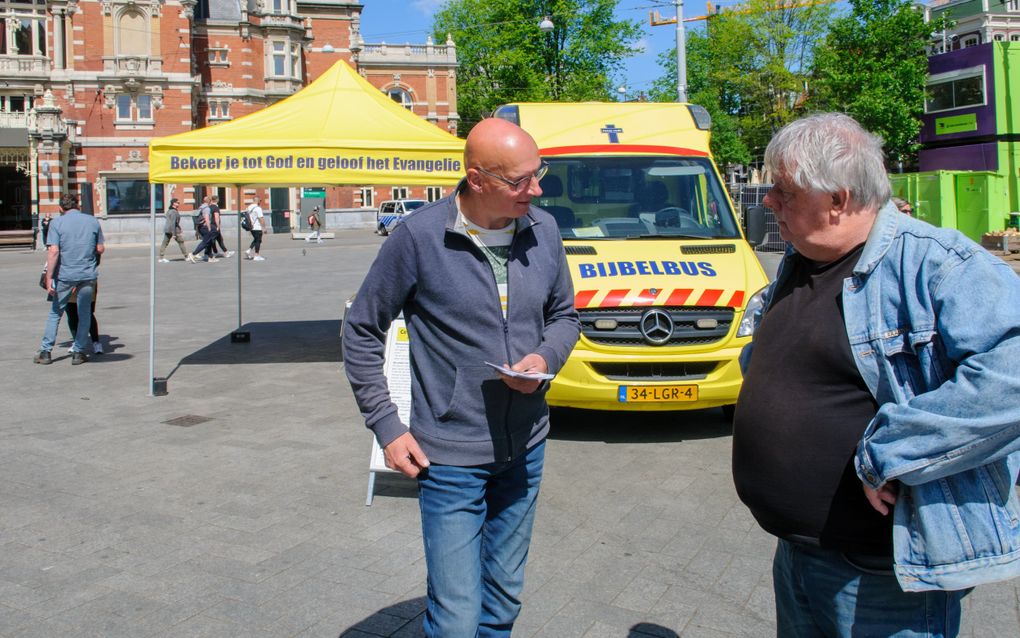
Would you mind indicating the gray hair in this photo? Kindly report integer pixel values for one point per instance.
(828, 152)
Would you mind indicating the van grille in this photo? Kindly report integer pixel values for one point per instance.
(655, 370)
(628, 328)
(712, 249)
(580, 250)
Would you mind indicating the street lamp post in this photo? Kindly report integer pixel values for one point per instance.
(681, 53)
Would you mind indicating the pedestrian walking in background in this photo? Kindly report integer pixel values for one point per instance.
(315, 224)
(903, 206)
(878, 427)
(258, 221)
(203, 227)
(172, 230)
(477, 436)
(74, 244)
(216, 227)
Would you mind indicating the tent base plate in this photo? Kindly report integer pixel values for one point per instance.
(239, 336)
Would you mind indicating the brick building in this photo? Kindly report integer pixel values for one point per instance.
(85, 85)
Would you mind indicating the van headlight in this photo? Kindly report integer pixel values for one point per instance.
(752, 313)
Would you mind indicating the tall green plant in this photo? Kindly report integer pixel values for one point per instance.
(504, 57)
(873, 66)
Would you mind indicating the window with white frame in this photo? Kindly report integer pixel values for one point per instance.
(219, 109)
(280, 7)
(285, 59)
(134, 108)
(368, 197)
(1015, 37)
(16, 103)
(398, 192)
(400, 96)
(218, 56)
(970, 41)
(23, 35)
(434, 193)
(998, 37)
(1012, 5)
(955, 90)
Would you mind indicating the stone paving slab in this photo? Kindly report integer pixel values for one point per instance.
(122, 516)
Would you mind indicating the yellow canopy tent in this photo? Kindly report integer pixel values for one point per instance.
(337, 130)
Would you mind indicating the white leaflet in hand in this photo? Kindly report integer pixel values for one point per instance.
(534, 376)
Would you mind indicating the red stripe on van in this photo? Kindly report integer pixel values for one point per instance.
(588, 149)
(737, 299)
(614, 298)
(644, 298)
(678, 297)
(583, 298)
(709, 297)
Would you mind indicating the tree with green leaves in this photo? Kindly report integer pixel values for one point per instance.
(873, 66)
(748, 67)
(505, 57)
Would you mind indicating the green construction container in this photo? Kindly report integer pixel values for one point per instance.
(982, 203)
(973, 202)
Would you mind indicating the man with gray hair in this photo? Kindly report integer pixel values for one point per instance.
(878, 427)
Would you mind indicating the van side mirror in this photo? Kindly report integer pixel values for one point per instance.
(754, 225)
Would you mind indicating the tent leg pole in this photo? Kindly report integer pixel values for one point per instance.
(239, 336)
(152, 289)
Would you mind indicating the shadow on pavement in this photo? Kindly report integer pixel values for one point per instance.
(274, 342)
(650, 630)
(570, 424)
(404, 616)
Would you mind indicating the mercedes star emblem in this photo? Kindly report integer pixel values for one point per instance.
(656, 326)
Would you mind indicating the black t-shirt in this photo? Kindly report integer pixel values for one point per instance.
(213, 211)
(802, 410)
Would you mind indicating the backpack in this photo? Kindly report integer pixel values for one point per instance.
(198, 218)
(246, 219)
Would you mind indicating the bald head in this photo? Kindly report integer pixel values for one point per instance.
(502, 162)
(493, 143)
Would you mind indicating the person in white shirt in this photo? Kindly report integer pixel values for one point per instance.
(257, 224)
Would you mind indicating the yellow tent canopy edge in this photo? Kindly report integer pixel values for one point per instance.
(338, 130)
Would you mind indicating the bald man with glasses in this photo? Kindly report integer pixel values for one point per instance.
(481, 277)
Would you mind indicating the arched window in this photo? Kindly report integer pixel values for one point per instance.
(999, 37)
(400, 96)
(970, 41)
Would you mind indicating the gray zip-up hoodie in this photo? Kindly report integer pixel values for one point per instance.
(462, 413)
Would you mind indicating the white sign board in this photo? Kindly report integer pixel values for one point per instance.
(397, 368)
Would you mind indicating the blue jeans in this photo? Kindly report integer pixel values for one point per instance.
(64, 289)
(476, 524)
(819, 593)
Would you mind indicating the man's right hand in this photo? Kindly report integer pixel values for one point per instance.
(404, 456)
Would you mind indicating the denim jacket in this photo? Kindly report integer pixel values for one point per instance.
(934, 325)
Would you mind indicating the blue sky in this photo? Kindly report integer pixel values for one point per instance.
(400, 21)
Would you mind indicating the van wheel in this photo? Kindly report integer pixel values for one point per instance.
(728, 411)
(382, 230)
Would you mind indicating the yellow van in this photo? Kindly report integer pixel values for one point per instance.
(662, 274)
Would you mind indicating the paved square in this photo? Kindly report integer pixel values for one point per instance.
(128, 515)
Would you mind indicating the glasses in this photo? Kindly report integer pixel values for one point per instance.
(518, 184)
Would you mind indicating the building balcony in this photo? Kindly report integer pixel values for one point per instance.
(14, 120)
(408, 55)
(285, 21)
(23, 67)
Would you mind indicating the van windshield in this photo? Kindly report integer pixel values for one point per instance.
(628, 197)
